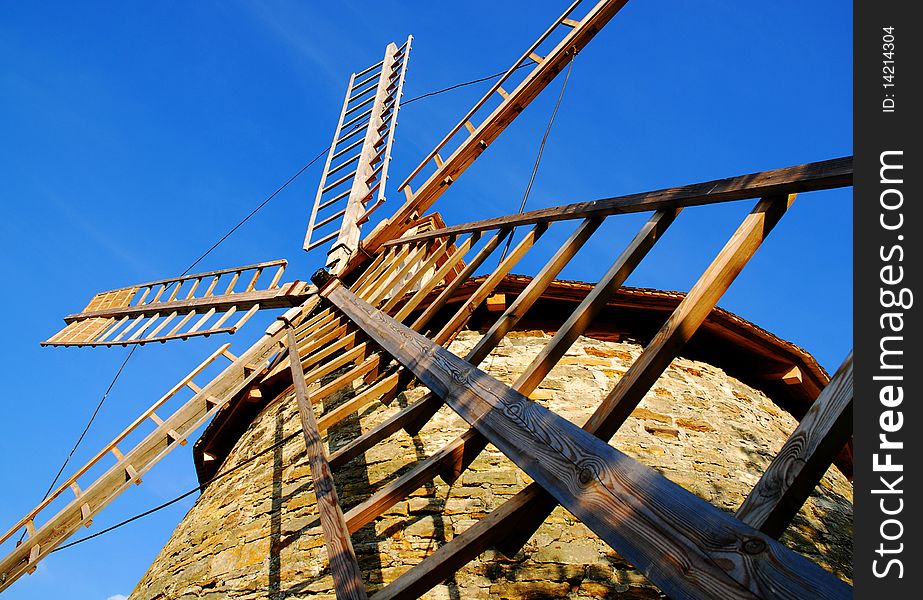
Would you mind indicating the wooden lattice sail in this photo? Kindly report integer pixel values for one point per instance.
(202, 304)
(356, 170)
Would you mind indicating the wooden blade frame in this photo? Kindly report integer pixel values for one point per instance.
(48, 531)
(493, 113)
(356, 170)
(194, 305)
(413, 279)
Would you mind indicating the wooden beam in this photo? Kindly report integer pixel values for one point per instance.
(677, 539)
(801, 463)
(498, 120)
(344, 567)
(803, 178)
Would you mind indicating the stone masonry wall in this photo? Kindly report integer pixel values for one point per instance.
(255, 533)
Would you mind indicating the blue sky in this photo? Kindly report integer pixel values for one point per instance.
(135, 134)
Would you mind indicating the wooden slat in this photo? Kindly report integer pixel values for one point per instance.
(344, 567)
(802, 178)
(674, 537)
(246, 317)
(202, 320)
(801, 463)
(447, 292)
(464, 312)
(193, 288)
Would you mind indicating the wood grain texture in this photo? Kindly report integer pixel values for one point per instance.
(804, 458)
(344, 567)
(689, 548)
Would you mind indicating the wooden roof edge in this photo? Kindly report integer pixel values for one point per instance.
(719, 315)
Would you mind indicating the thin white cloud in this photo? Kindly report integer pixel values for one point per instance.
(118, 597)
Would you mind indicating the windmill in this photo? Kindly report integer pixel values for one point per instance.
(372, 309)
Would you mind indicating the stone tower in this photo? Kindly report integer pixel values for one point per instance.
(710, 424)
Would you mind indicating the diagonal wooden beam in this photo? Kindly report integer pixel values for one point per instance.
(344, 567)
(511, 525)
(686, 546)
(801, 463)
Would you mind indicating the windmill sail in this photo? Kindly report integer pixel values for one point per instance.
(48, 525)
(193, 305)
(357, 164)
